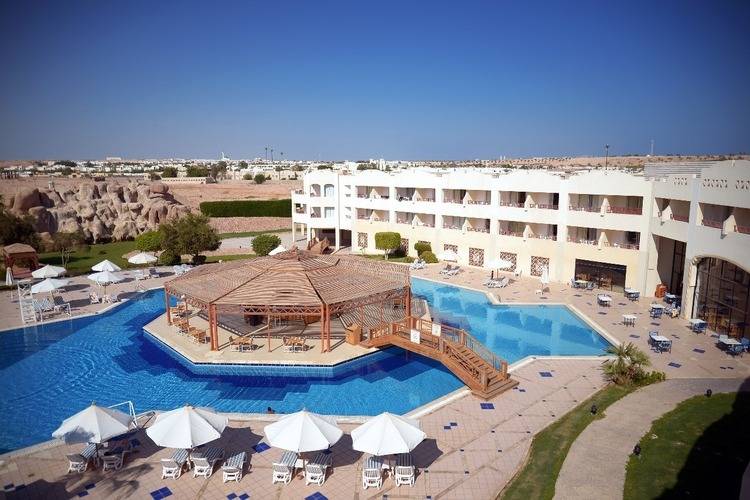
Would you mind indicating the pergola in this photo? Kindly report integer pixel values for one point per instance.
(17, 253)
(295, 283)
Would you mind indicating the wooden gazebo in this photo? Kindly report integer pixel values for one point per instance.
(21, 259)
(295, 283)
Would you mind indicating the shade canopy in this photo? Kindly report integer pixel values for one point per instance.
(95, 424)
(303, 431)
(277, 250)
(106, 265)
(448, 255)
(387, 434)
(142, 258)
(187, 427)
(48, 285)
(294, 281)
(48, 271)
(104, 277)
(498, 264)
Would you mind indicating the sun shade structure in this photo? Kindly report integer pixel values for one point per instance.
(95, 424)
(302, 432)
(48, 285)
(187, 427)
(387, 434)
(106, 265)
(48, 271)
(291, 283)
(142, 258)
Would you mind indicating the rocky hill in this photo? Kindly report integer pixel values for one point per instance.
(104, 211)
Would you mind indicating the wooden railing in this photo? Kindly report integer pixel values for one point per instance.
(446, 348)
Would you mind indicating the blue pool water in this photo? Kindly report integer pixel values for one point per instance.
(511, 331)
(51, 371)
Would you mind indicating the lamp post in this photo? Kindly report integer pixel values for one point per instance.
(606, 155)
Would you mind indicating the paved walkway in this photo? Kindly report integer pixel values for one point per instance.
(595, 465)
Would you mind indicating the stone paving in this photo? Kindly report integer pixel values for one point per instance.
(605, 445)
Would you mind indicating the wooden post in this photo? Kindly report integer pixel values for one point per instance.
(407, 301)
(213, 328)
(166, 304)
(328, 329)
(322, 327)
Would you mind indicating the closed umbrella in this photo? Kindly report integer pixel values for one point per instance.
(387, 434)
(48, 285)
(187, 427)
(142, 258)
(303, 431)
(544, 278)
(106, 265)
(278, 249)
(448, 255)
(8, 277)
(95, 424)
(48, 271)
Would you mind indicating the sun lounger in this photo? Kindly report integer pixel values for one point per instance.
(281, 474)
(315, 469)
(232, 468)
(446, 269)
(77, 463)
(372, 473)
(404, 473)
(205, 461)
(94, 298)
(60, 305)
(172, 467)
(113, 461)
(454, 271)
(139, 275)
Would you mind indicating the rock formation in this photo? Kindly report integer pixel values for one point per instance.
(102, 210)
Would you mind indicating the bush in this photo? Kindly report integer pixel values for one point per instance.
(428, 257)
(169, 172)
(247, 177)
(198, 260)
(387, 241)
(422, 246)
(150, 241)
(197, 171)
(169, 258)
(247, 208)
(259, 178)
(264, 243)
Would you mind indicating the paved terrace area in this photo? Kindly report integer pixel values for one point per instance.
(472, 450)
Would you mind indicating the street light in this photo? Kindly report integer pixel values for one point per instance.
(606, 156)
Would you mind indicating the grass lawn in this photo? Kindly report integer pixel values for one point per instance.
(224, 236)
(548, 449)
(81, 261)
(225, 258)
(698, 450)
(381, 257)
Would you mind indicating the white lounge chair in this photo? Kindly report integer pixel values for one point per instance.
(372, 474)
(113, 462)
(61, 305)
(281, 474)
(453, 272)
(315, 469)
(94, 298)
(170, 469)
(77, 463)
(404, 473)
(205, 462)
(232, 468)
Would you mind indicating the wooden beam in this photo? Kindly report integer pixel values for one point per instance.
(322, 326)
(213, 327)
(166, 305)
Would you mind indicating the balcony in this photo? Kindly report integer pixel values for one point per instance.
(551, 237)
(582, 241)
(625, 210)
(512, 204)
(576, 208)
(515, 234)
(679, 218)
(627, 246)
(717, 224)
(543, 206)
(742, 229)
(477, 202)
(478, 230)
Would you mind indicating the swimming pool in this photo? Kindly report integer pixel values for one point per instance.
(51, 371)
(511, 331)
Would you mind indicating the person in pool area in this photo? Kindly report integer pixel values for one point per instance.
(270, 411)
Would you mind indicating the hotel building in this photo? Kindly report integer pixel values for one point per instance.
(684, 225)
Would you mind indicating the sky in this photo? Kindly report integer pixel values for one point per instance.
(359, 80)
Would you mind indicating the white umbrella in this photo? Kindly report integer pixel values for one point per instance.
(48, 285)
(106, 265)
(104, 278)
(48, 271)
(95, 424)
(498, 264)
(544, 278)
(448, 255)
(142, 258)
(387, 434)
(303, 431)
(9, 277)
(187, 427)
(278, 249)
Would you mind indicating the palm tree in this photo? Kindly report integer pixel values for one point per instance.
(628, 365)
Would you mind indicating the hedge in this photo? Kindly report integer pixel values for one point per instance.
(247, 208)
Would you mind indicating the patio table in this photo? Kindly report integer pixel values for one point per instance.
(657, 306)
(670, 298)
(628, 319)
(697, 324)
(581, 283)
(729, 341)
(604, 300)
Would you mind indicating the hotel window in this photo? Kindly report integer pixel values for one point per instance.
(328, 190)
(329, 212)
(722, 296)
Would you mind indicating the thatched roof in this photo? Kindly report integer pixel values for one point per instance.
(18, 248)
(295, 279)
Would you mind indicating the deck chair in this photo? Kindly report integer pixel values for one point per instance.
(372, 477)
(446, 269)
(590, 285)
(94, 298)
(281, 474)
(170, 468)
(203, 467)
(404, 472)
(656, 313)
(60, 305)
(315, 469)
(77, 463)
(113, 462)
(232, 468)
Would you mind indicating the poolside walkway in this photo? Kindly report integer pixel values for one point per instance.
(472, 450)
(595, 465)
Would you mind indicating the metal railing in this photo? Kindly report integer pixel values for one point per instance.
(679, 218)
(712, 223)
(625, 210)
(742, 229)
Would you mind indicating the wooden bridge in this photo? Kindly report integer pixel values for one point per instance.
(477, 367)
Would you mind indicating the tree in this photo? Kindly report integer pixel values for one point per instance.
(279, 168)
(66, 171)
(243, 164)
(264, 243)
(190, 235)
(259, 178)
(169, 172)
(197, 171)
(428, 257)
(218, 169)
(422, 246)
(247, 177)
(387, 241)
(628, 367)
(66, 163)
(154, 176)
(67, 243)
(14, 229)
(150, 241)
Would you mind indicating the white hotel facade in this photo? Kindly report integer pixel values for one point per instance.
(686, 225)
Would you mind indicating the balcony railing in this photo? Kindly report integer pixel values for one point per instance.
(543, 237)
(477, 229)
(477, 202)
(584, 209)
(582, 241)
(544, 206)
(504, 232)
(628, 246)
(713, 223)
(451, 226)
(679, 218)
(625, 210)
(457, 202)
(424, 224)
(299, 191)
(742, 229)
(510, 204)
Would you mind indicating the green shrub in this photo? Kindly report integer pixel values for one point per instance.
(422, 246)
(168, 258)
(169, 172)
(198, 260)
(264, 243)
(428, 257)
(247, 208)
(259, 178)
(150, 241)
(247, 177)
(197, 171)
(387, 241)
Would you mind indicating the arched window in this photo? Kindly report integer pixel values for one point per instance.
(328, 190)
(721, 297)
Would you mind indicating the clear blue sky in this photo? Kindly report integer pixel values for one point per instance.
(444, 80)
